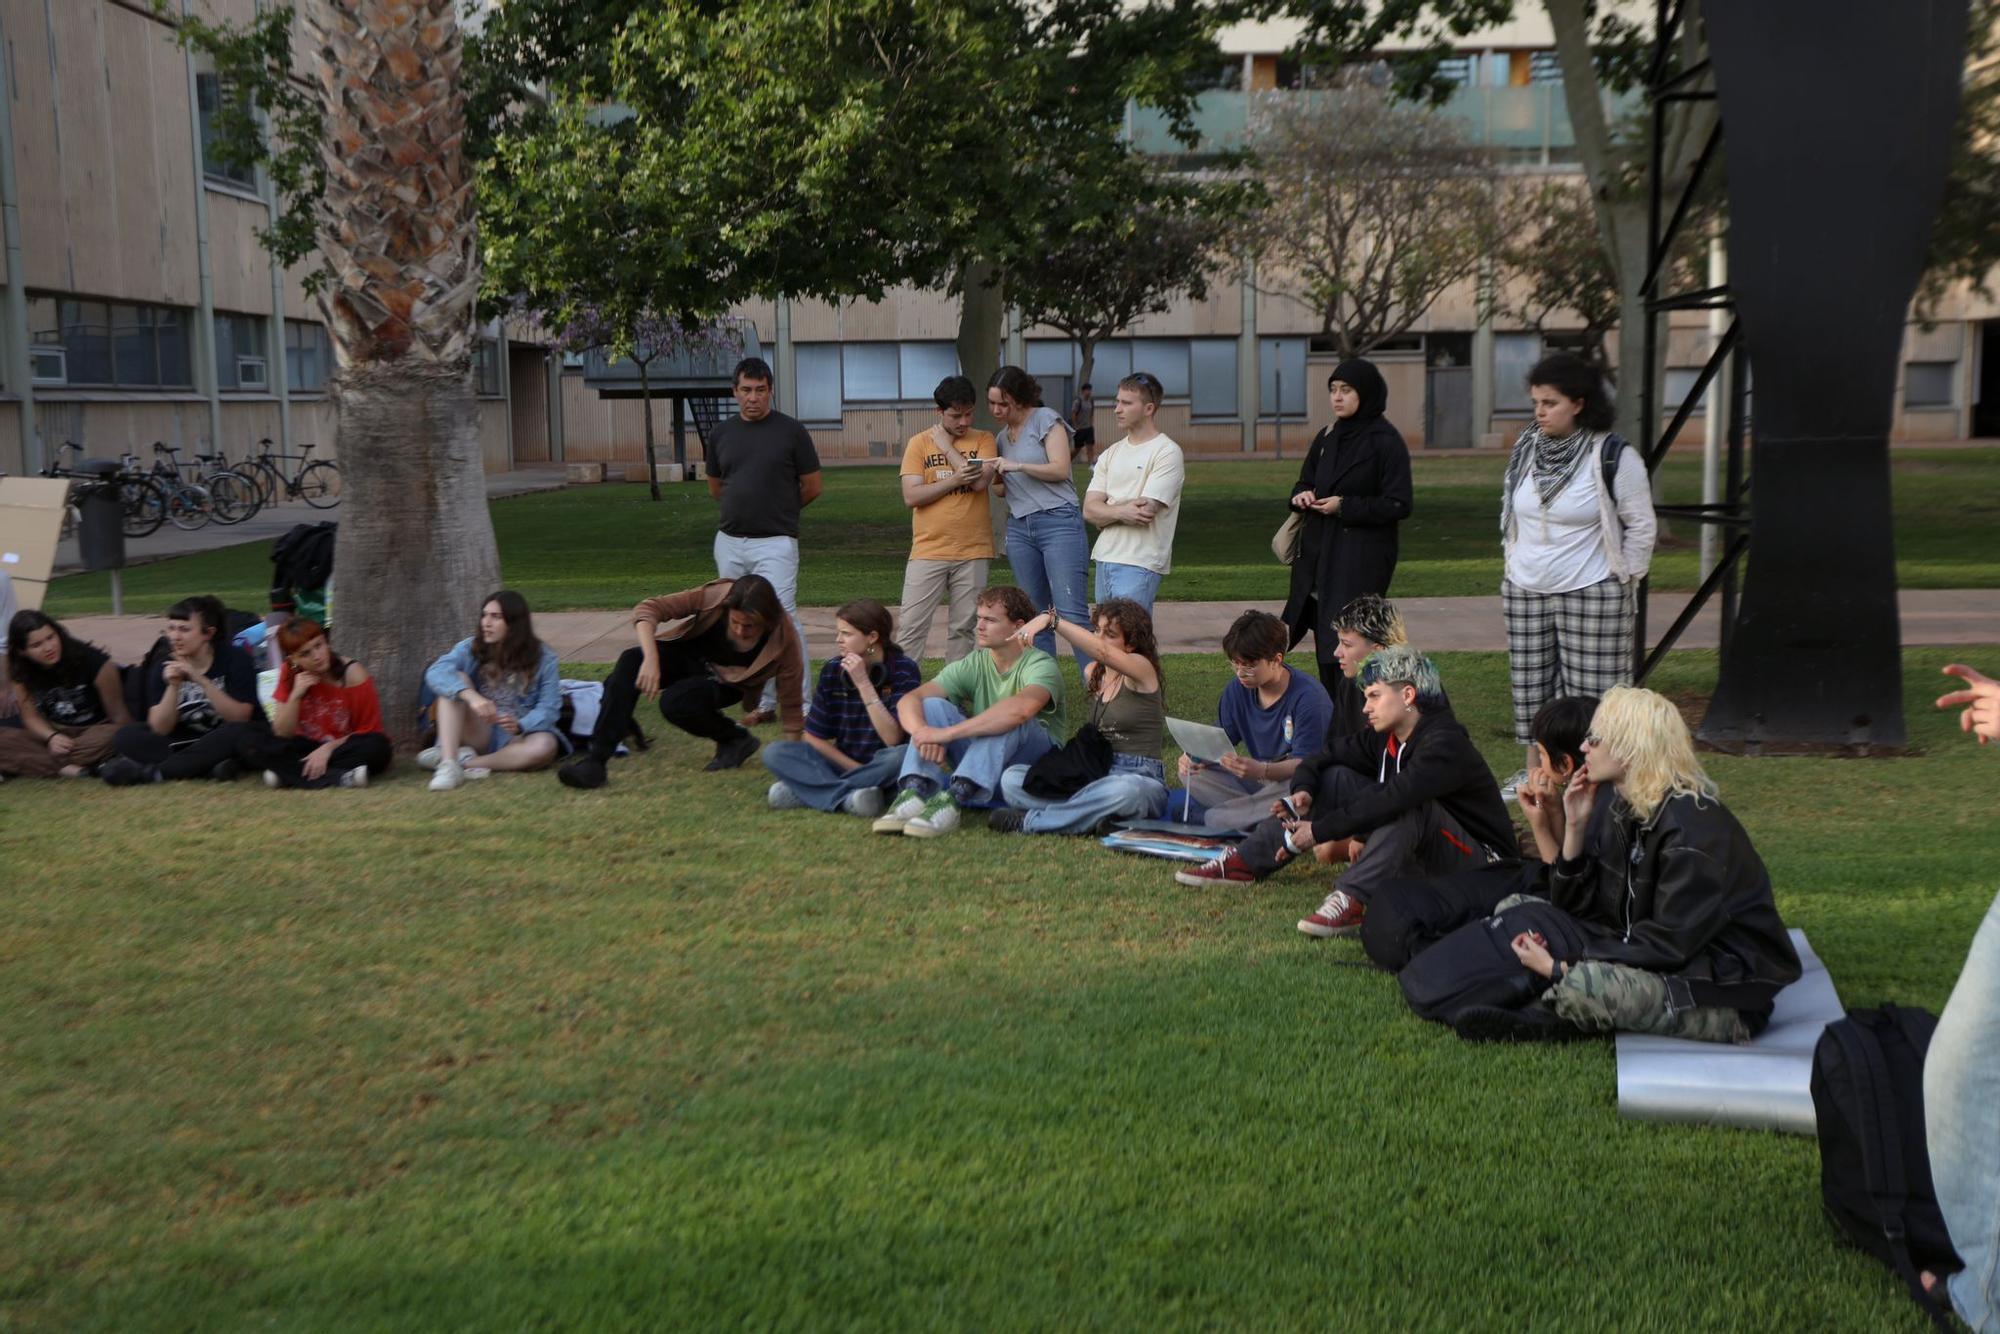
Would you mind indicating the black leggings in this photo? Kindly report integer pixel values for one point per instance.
(286, 757)
(196, 759)
(690, 699)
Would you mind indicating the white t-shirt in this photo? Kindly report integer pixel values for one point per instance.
(1558, 548)
(1126, 472)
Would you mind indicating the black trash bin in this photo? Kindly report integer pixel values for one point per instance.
(100, 531)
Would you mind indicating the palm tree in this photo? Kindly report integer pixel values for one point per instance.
(397, 229)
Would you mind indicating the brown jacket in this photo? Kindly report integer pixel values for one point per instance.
(694, 612)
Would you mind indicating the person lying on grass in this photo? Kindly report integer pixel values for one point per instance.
(70, 701)
(1279, 715)
(701, 650)
(1412, 786)
(499, 696)
(326, 730)
(979, 715)
(200, 700)
(1682, 935)
(1127, 705)
(853, 747)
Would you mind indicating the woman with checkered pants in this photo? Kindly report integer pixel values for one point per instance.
(1576, 522)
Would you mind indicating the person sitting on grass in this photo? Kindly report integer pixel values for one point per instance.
(201, 704)
(1682, 935)
(499, 696)
(853, 748)
(978, 716)
(326, 730)
(1365, 626)
(70, 701)
(1280, 716)
(701, 650)
(1412, 786)
(1127, 704)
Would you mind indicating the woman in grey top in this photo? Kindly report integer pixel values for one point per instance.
(1047, 547)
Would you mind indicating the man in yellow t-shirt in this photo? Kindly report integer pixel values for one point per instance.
(946, 475)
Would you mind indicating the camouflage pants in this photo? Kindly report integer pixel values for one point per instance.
(1601, 997)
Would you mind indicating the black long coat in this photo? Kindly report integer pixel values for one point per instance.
(1342, 556)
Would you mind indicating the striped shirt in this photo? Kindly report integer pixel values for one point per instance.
(838, 713)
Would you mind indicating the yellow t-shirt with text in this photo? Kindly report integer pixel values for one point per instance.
(955, 526)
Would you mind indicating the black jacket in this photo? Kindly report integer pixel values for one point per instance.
(1686, 896)
(1438, 763)
(1342, 556)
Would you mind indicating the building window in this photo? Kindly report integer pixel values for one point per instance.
(817, 368)
(208, 93)
(1514, 355)
(1544, 67)
(1281, 376)
(1166, 360)
(1212, 377)
(924, 365)
(240, 353)
(1930, 384)
(1679, 384)
(486, 368)
(869, 373)
(106, 345)
(308, 357)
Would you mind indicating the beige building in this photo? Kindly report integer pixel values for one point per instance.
(139, 305)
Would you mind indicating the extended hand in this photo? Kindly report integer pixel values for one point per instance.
(1981, 701)
(648, 679)
(1240, 766)
(1029, 629)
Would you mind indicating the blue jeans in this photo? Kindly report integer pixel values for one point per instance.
(815, 780)
(1962, 1120)
(1135, 789)
(1127, 581)
(1050, 555)
(979, 760)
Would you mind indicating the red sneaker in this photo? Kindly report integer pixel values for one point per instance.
(1228, 869)
(1340, 915)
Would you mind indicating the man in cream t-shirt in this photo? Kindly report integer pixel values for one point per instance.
(946, 473)
(1134, 498)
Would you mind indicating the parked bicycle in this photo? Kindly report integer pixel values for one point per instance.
(189, 506)
(236, 496)
(317, 481)
(142, 500)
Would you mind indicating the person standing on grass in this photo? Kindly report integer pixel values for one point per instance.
(1412, 786)
(699, 651)
(853, 747)
(200, 701)
(1083, 416)
(1576, 546)
(978, 716)
(763, 470)
(1280, 716)
(70, 700)
(499, 699)
(1352, 491)
(1134, 498)
(946, 474)
(327, 728)
(1128, 704)
(1046, 543)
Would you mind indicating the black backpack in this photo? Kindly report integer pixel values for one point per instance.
(1407, 917)
(1476, 964)
(1874, 1166)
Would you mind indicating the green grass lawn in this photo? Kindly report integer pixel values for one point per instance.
(657, 1057)
(609, 546)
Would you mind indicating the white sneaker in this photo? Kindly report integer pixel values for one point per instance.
(450, 774)
(908, 806)
(428, 757)
(939, 817)
(357, 777)
(271, 778)
(1513, 784)
(782, 798)
(866, 803)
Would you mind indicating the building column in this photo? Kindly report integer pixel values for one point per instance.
(788, 359)
(1017, 339)
(207, 383)
(1249, 385)
(19, 367)
(553, 373)
(504, 352)
(1482, 355)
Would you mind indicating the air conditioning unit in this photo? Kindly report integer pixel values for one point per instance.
(51, 364)
(251, 373)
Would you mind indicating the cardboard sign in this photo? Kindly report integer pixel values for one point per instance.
(31, 519)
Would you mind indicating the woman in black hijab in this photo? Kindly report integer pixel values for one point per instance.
(1352, 492)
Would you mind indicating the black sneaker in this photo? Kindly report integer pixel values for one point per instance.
(225, 770)
(587, 772)
(1531, 1023)
(122, 771)
(1006, 820)
(731, 754)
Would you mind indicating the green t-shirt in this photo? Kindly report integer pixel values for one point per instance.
(975, 683)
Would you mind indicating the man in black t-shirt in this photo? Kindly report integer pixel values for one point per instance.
(763, 470)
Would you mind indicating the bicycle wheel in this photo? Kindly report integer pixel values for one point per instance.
(270, 485)
(189, 508)
(235, 496)
(145, 505)
(319, 485)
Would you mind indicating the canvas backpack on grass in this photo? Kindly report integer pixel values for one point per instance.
(1874, 1164)
(1476, 964)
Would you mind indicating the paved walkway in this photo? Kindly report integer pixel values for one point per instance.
(1950, 616)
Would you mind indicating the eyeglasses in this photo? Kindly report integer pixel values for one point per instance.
(1246, 668)
(1592, 739)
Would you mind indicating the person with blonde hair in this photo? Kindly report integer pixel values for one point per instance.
(1681, 935)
